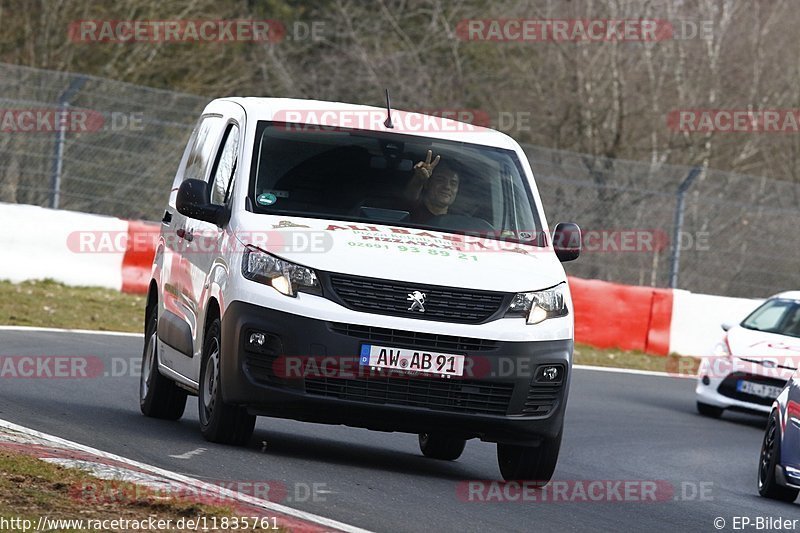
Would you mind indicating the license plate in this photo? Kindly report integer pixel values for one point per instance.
(439, 364)
(758, 389)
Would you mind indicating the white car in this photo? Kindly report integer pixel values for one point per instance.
(355, 265)
(754, 359)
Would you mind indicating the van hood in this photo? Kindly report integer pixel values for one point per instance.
(402, 254)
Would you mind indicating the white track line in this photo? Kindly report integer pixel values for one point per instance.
(78, 331)
(264, 504)
(633, 371)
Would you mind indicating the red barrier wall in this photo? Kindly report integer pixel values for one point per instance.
(609, 315)
(138, 259)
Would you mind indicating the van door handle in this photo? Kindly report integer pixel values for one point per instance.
(167, 218)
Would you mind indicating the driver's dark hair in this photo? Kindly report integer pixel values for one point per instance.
(450, 164)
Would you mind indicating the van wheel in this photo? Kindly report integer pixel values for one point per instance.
(219, 422)
(518, 463)
(709, 410)
(440, 446)
(770, 456)
(159, 397)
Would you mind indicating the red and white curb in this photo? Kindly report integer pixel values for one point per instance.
(109, 466)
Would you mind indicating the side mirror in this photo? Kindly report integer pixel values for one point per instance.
(726, 326)
(567, 241)
(192, 201)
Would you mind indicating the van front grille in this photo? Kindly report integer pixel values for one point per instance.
(439, 394)
(448, 304)
(413, 339)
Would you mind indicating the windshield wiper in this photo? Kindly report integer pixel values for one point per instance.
(754, 328)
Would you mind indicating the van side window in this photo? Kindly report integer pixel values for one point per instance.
(225, 166)
(203, 150)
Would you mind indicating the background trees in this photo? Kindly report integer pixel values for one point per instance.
(602, 98)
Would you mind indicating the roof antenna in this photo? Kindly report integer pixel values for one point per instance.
(388, 121)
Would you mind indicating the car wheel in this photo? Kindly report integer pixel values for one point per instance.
(770, 456)
(527, 462)
(219, 422)
(159, 397)
(440, 446)
(709, 410)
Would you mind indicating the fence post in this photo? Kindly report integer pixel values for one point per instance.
(58, 155)
(675, 261)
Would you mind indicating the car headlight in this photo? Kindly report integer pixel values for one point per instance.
(538, 306)
(284, 276)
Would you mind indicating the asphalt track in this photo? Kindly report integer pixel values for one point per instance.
(619, 427)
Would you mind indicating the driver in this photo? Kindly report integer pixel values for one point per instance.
(431, 193)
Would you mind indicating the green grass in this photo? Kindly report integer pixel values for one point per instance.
(30, 488)
(673, 364)
(51, 304)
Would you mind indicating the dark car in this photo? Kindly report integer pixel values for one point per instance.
(779, 465)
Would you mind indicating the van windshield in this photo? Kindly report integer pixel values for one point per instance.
(399, 180)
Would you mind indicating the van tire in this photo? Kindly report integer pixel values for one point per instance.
(219, 422)
(159, 396)
(529, 463)
(441, 446)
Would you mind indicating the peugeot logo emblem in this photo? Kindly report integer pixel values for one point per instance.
(417, 300)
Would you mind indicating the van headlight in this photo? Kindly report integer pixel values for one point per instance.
(538, 306)
(285, 277)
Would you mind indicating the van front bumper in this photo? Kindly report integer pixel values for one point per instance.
(308, 369)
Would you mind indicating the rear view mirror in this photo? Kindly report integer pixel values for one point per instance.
(193, 202)
(726, 326)
(567, 241)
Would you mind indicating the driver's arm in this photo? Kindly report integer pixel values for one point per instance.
(422, 172)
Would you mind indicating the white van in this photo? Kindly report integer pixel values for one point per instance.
(354, 265)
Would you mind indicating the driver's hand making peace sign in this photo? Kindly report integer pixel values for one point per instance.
(424, 169)
(428, 194)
